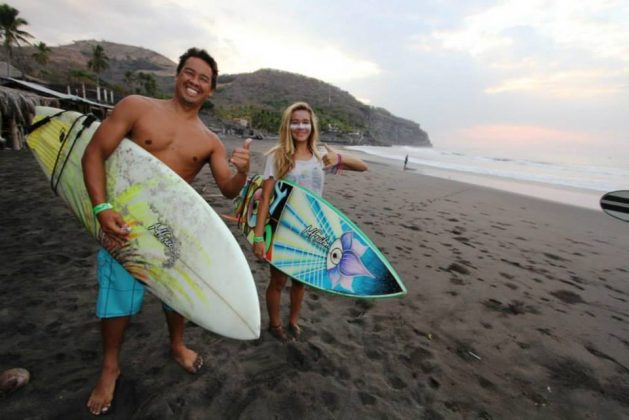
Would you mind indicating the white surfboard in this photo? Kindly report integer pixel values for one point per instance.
(179, 247)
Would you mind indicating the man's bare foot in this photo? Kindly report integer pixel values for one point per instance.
(103, 393)
(190, 360)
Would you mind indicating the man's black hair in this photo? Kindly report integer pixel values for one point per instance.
(203, 55)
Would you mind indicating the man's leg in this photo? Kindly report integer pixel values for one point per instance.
(119, 297)
(188, 359)
(112, 331)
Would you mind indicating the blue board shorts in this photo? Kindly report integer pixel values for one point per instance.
(119, 293)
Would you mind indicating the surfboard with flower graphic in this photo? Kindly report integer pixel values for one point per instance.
(311, 241)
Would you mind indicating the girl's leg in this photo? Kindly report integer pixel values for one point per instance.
(273, 299)
(297, 291)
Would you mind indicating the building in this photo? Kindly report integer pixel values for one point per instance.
(18, 99)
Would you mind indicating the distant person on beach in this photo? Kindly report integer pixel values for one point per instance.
(405, 161)
(297, 159)
(172, 131)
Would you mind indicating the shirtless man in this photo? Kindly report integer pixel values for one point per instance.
(172, 131)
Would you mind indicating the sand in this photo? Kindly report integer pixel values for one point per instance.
(516, 308)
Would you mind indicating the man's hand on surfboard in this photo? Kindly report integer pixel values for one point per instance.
(331, 158)
(114, 228)
(240, 157)
(258, 250)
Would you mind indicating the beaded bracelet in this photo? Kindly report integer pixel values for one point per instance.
(339, 165)
(101, 207)
(257, 239)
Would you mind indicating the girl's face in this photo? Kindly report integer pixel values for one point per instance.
(300, 125)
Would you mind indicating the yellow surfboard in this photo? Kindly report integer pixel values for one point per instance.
(179, 247)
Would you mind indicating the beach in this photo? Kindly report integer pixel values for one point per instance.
(516, 308)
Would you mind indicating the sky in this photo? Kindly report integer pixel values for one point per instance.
(547, 75)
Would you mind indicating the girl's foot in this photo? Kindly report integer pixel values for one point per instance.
(295, 330)
(279, 333)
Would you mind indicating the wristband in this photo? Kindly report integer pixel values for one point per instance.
(101, 207)
(257, 239)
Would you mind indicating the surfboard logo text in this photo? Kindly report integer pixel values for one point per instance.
(316, 235)
(165, 235)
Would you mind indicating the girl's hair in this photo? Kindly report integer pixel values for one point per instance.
(285, 149)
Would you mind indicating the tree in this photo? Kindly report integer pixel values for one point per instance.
(42, 53)
(130, 79)
(98, 63)
(149, 84)
(10, 32)
(78, 76)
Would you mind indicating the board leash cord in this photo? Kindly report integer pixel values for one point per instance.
(56, 178)
(87, 122)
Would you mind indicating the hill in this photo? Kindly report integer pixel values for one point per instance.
(68, 65)
(262, 95)
(257, 98)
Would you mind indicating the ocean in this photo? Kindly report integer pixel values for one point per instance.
(568, 178)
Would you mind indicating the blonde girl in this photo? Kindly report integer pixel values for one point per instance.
(295, 158)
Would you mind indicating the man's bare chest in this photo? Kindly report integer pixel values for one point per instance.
(172, 139)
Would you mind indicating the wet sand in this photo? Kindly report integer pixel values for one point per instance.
(516, 308)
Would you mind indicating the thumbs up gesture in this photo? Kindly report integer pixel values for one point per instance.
(240, 157)
(331, 157)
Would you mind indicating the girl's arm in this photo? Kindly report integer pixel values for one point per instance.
(263, 213)
(352, 163)
(347, 162)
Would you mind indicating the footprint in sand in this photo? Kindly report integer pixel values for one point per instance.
(567, 296)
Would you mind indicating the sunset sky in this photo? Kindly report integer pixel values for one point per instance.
(472, 74)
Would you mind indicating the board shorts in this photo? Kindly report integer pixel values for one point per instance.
(119, 293)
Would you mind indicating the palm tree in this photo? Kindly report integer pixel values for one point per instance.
(10, 31)
(130, 79)
(149, 84)
(41, 56)
(78, 76)
(42, 53)
(98, 63)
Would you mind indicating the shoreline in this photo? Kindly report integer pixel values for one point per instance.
(578, 197)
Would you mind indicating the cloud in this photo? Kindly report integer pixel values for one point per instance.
(243, 47)
(597, 27)
(521, 134)
(243, 36)
(551, 48)
(567, 84)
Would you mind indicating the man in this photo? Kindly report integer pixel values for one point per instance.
(172, 131)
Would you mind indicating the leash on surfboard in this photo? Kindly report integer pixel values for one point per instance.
(88, 119)
(87, 122)
(43, 122)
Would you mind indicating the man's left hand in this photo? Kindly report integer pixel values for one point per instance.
(240, 157)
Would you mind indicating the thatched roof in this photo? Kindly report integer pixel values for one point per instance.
(21, 105)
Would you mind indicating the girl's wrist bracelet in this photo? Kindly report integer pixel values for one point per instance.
(257, 239)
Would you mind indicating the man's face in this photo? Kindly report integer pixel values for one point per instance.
(194, 81)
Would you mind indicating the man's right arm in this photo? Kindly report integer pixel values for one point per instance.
(105, 140)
